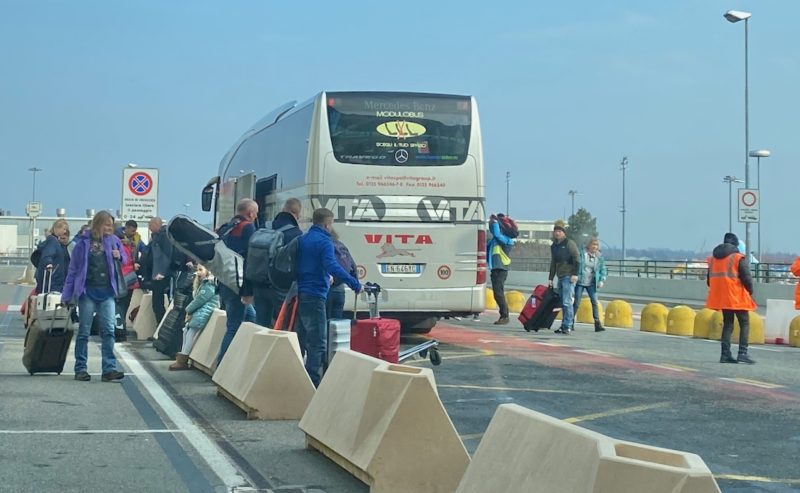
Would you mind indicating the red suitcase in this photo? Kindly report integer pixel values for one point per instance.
(377, 337)
(540, 310)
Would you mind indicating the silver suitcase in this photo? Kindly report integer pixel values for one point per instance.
(338, 336)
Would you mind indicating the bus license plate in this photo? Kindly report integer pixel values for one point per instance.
(401, 268)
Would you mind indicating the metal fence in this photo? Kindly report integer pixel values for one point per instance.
(666, 269)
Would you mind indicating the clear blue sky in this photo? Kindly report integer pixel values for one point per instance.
(565, 89)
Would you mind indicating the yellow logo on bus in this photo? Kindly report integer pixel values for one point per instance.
(401, 129)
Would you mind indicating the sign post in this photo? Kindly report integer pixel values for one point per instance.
(749, 205)
(139, 197)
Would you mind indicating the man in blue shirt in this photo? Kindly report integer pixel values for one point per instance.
(316, 263)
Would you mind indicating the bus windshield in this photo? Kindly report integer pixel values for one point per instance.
(395, 129)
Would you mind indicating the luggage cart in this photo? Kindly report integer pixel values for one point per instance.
(428, 349)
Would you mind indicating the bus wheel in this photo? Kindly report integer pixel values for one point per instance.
(418, 326)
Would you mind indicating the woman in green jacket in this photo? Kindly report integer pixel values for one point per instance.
(591, 276)
(197, 315)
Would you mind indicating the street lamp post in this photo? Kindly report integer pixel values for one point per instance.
(573, 193)
(623, 166)
(34, 170)
(730, 180)
(734, 16)
(508, 180)
(758, 155)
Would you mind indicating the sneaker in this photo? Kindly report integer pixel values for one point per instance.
(727, 358)
(83, 376)
(562, 330)
(111, 376)
(598, 327)
(744, 358)
(502, 321)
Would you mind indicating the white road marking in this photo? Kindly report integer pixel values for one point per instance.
(84, 432)
(207, 449)
(754, 383)
(595, 352)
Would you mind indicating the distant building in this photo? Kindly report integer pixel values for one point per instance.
(535, 231)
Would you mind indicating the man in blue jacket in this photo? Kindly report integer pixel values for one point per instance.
(498, 261)
(316, 263)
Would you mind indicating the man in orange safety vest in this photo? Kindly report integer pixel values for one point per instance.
(730, 290)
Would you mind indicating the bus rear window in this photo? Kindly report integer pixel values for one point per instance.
(399, 129)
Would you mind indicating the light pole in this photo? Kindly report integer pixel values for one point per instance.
(758, 155)
(508, 180)
(573, 193)
(34, 170)
(730, 180)
(734, 16)
(623, 166)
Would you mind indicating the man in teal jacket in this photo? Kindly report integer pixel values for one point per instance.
(316, 263)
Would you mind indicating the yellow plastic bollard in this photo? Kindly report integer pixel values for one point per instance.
(619, 314)
(654, 318)
(515, 300)
(756, 329)
(491, 304)
(703, 323)
(794, 332)
(584, 315)
(680, 321)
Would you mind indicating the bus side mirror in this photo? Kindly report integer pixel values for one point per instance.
(207, 197)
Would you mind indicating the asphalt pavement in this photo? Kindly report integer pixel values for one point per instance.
(169, 431)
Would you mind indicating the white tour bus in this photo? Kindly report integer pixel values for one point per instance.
(403, 175)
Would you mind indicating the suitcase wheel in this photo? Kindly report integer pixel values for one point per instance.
(423, 354)
(436, 358)
(30, 373)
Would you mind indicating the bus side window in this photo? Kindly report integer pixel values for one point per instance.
(265, 198)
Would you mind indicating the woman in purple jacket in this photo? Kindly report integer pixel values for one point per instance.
(92, 284)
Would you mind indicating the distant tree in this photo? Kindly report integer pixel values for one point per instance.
(581, 226)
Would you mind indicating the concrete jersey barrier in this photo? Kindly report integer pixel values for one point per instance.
(206, 346)
(523, 450)
(384, 423)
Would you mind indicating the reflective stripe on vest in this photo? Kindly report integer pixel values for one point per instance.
(730, 272)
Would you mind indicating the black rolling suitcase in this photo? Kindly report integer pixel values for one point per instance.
(47, 342)
(170, 335)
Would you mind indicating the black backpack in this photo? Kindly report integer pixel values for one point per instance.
(36, 256)
(262, 247)
(283, 265)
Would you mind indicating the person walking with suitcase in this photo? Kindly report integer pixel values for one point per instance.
(730, 290)
(564, 262)
(53, 257)
(198, 313)
(497, 250)
(92, 284)
(316, 263)
(591, 276)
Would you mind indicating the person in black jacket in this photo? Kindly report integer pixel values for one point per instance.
(159, 259)
(267, 299)
(53, 258)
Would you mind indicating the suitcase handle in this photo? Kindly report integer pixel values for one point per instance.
(61, 330)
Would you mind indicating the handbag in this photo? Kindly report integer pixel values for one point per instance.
(122, 286)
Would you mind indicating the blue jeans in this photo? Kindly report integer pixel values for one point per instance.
(236, 313)
(106, 312)
(335, 304)
(566, 289)
(311, 332)
(591, 290)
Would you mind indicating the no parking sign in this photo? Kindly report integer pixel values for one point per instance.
(139, 194)
(749, 205)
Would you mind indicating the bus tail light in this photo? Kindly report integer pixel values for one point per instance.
(480, 275)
